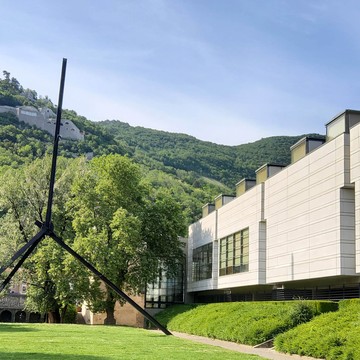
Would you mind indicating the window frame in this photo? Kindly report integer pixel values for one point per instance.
(202, 262)
(234, 253)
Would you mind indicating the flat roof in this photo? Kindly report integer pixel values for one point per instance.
(244, 179)
(312, 138)
(347, 111)
(268, 165)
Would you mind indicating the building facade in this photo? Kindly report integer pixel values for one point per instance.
(292, 232)
(12, 306)
(125, 315)
(45, 119)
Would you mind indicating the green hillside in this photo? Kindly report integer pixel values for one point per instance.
(227, 164)
(195, 171)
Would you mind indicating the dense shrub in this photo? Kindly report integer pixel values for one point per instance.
(333, 336)
(70, 315)
(301, 313)
(242, 322)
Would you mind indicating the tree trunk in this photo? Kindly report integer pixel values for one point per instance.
(63, 313)
(110, 308)
(54, 317)
(110, 319)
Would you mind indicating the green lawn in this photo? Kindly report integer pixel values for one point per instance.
(81, 342)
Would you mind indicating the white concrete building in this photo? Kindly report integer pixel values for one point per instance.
(292, 232)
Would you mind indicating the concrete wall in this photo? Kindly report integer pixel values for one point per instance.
(4, 109)
(68, 130)
(244, 212)
(307, 216)
(125, 315)
(304, 222)
(201, 233)
(45, 120)
(355, 178)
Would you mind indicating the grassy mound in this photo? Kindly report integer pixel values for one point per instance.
(242, 322)
(329, 336)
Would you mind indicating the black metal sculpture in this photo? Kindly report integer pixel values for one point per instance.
(47, 228)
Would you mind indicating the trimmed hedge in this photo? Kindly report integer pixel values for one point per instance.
(333, 336)
(242, 322)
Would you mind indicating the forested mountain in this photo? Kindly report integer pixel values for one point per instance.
(195, 171)
(226, 164)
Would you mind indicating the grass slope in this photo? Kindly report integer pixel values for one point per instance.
(248, 323)
(333, 336)
(79, 342)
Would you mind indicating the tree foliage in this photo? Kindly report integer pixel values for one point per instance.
(123, 228)
(111, 216)
(23, 199)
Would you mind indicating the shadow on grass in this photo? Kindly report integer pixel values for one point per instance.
(15, 328)
(155, 333)
(40, 356)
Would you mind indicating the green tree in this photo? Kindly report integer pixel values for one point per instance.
(124, 229)
(10, 85)
(23, 199)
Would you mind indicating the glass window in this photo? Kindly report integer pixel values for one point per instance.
(165, 291)
(202, 262)
(234, 253)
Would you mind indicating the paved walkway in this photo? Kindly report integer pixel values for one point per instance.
(265, 353)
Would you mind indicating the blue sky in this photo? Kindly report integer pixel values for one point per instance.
(226, 71)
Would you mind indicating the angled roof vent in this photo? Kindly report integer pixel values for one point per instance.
(342, 123)
(304, 146)
(207, 209)
(266, 171)
(222, 200)
(244, 185)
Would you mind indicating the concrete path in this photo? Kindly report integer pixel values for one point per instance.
(265, 353)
